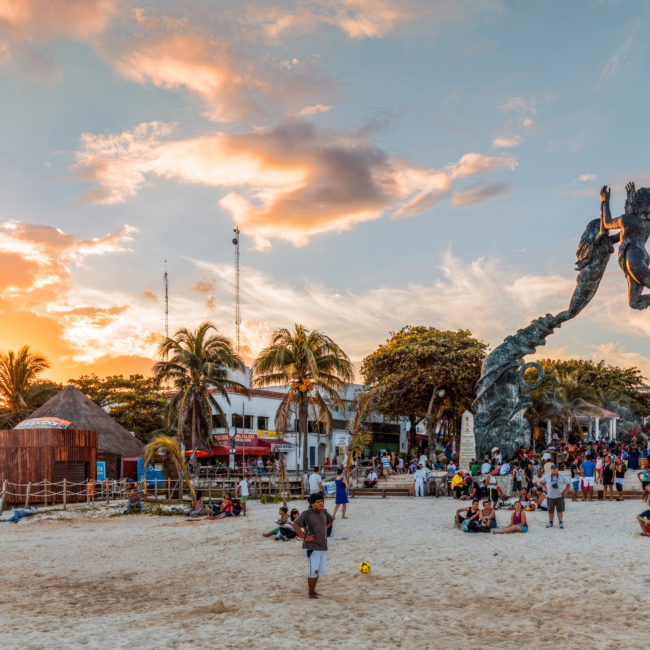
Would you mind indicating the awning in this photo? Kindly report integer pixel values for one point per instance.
(200, 453)
(421, 436)
(277, 444)
(247, 450)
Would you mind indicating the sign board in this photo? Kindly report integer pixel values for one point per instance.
(467, 449)
(101, 470)
(267, 434)
(341, 439)
(284, 447)
(241, 439)
(330, 488)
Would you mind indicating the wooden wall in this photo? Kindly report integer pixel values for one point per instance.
(31, 455)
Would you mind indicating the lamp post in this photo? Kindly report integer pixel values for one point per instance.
(232, 433)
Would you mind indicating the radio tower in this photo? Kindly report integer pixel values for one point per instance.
(235, 241)
(166, 302)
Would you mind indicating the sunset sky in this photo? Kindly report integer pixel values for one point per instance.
(426, 162)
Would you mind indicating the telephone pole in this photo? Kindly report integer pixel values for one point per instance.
(235, 241)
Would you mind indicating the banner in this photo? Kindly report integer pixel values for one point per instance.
(241, 439)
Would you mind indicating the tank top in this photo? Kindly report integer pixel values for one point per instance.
(516, 519)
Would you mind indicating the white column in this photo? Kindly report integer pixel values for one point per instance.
(548, 432)
(612, 429)
(597, 434)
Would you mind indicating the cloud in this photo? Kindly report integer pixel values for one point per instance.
(506, 142)
(583, 178)
(360, 19)
(204, 287)
(619, 59)
(290, 182)
(313, 110)
(526, 104)
(27, 24)
(480, 193)
(218, 67)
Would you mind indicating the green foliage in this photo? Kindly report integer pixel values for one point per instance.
(313, 368)
(21, 391)
(136, 402)
(168, 447)
(193, 363)
(410, 370)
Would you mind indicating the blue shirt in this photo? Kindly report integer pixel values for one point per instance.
(588, 468)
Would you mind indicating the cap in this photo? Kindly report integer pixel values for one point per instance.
(553, 466)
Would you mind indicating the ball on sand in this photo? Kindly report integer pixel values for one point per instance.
(364, 567)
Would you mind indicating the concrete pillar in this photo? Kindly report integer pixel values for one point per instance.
(548, 432)
(597, 425)
(612, 429)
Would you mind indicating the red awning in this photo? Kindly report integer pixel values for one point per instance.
(251, 450)
(421, 436)
(200, 453)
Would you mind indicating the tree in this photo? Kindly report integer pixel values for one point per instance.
(21, 391)
(168, 447)
(312, 367)
(194, 363)
(360, 437)
(136, 402)
(425, 373)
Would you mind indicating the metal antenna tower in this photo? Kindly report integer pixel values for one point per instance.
(235, 241)
(166, 302)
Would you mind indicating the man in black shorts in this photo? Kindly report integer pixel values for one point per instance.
(311, 527)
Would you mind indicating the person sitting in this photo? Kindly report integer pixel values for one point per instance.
(18, 514)
(198, 509)
(644, 522)
(370, 480)
(487, 517)
(644, 477)
(541, 502)
(472, 513)
(518, 522)
(458, 484)
(225, 508)
(524, 499)
(283, 518)
(286, 531)
(135, 502)
(473, 491)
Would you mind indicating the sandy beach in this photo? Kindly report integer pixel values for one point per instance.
(160, 582)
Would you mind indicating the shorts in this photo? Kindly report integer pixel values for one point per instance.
(587, 482)
(243, 499)
(555, 504)
(493, 494)
(317, 563)
(644, 484)
(575, 484)
(523, 529)
(608, 482)
(516, 485)
(619, 484)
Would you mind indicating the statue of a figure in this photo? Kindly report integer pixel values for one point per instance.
(634, 225)
(593, 254)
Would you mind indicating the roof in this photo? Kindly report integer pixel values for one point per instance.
(82, 413)
(255, 392)
(602, 413)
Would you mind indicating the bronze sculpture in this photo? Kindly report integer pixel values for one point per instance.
(501, 401)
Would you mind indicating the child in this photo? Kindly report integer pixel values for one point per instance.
(197, 506)
(283, 518)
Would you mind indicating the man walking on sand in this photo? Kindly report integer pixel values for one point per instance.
(556, 486)
(311, 527)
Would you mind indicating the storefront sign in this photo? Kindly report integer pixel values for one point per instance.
(241, 439)
(101, 470)
(267, 434)
(341, 439)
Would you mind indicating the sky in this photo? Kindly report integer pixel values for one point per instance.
(389, 163)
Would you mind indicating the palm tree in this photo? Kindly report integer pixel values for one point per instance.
(20, 389)
(312, 367)
(166, 446)
(194, 363)
(570, 393)
(360, 437)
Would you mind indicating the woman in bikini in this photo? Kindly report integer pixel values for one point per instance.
(518, 522)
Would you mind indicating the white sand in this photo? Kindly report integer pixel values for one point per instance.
(156, 582)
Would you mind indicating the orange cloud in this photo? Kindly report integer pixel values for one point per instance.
(289, 182)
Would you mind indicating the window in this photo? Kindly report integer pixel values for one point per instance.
(218, 422)
(315, 427)
(237, 421)
(262, 423)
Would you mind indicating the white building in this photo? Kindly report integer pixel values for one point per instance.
(254, 420)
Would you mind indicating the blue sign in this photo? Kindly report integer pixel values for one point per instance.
(101, 470)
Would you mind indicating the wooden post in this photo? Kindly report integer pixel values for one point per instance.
(169, 489)
(210, 492)
(45, 482)
(29, 489)
(2, 495)
(65, 494)
(155, 483)
(107, 490)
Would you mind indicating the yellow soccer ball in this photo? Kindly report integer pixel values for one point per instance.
(364, 567)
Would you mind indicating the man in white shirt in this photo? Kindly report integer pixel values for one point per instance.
(505, 468)
(316, 482)
(242, 492)
(419, 477)
(486, 467)
(371, 479)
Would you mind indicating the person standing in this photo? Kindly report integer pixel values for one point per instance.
(588, 468)
(242, 492)
(619, 480)
(341, 493)
(311, 527)
(448, 451)
(608, 478)
(491, 485)
(315, 482)
(90, 491)
(419, 477)
(556, 486)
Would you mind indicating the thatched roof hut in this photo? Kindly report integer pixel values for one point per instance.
(114, 442)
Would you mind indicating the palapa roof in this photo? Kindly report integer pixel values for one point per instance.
(71, 404)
